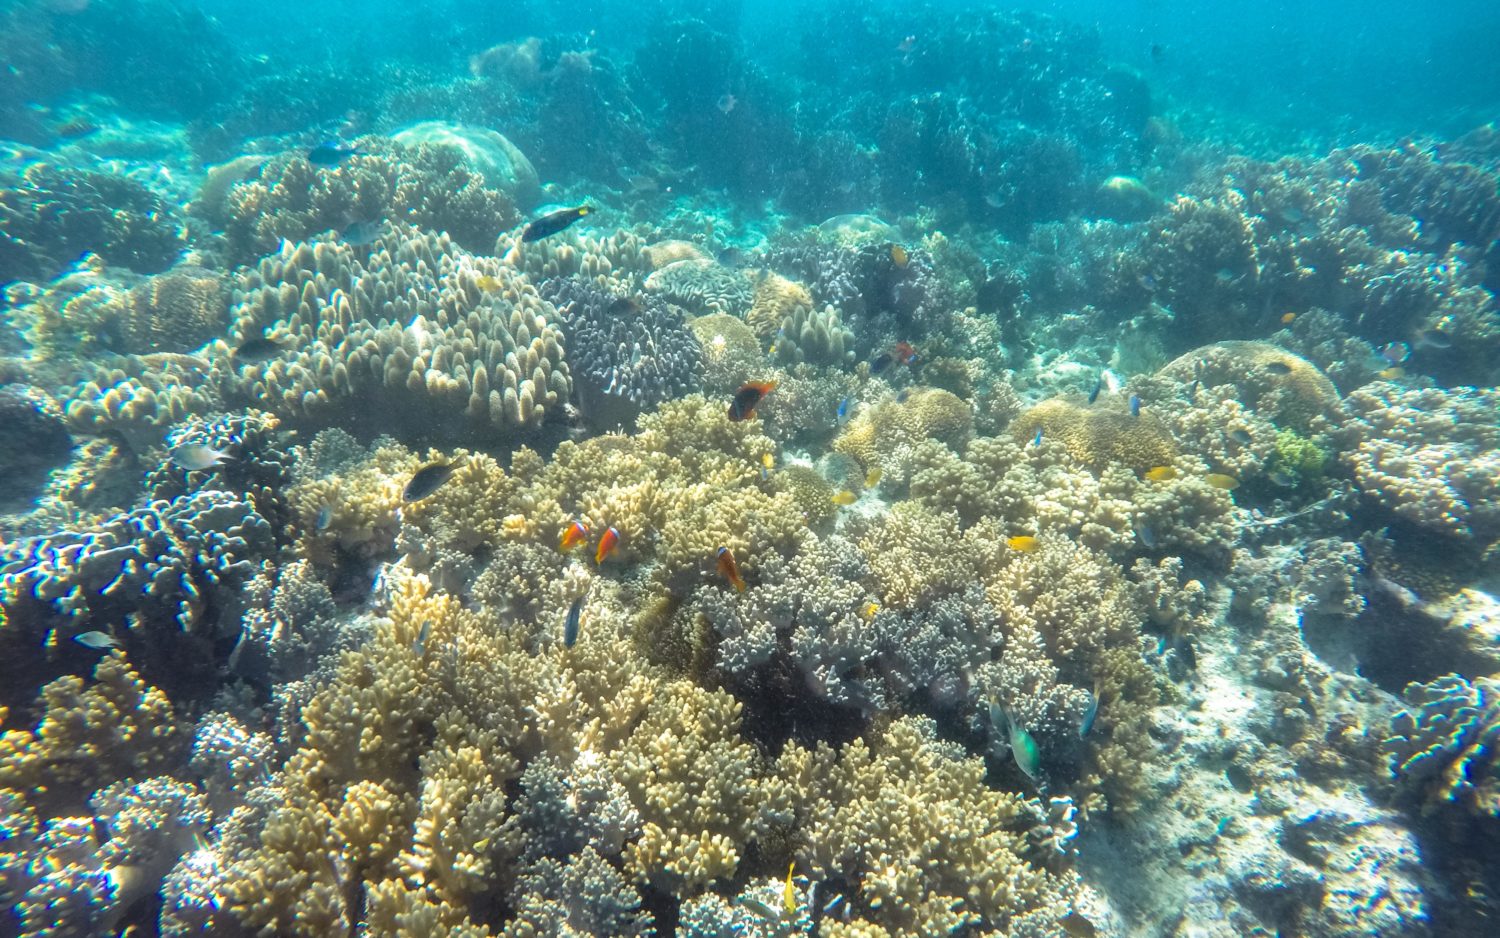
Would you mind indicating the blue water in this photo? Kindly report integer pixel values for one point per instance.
(749, 469)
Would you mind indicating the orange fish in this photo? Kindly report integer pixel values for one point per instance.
(750, 394)
(904, 353)
(730, 570)
(898, 256)
(607, 545)
(1288, 318)
(573, 535)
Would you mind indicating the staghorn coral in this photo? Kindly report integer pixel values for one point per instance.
(925, 846)
(50, 215)
(384, 333)
(427, 186)
(1442, 747)
(1431, 456)
(625, 354)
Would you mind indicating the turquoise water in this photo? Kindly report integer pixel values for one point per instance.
(734, 469)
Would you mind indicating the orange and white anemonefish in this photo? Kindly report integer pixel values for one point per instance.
(573, 535)
(730, 569)
(750, 394)
(607, 545)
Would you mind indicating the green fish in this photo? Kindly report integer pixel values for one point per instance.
(1022, 746)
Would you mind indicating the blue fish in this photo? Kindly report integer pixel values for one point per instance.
(1396, 352)
(331, 153)
(1098, 386)
(324, 518)
(1146, 533)
(425, 632)
(846, 410)
(1037, 440)
(1135, 405)
(570, 624)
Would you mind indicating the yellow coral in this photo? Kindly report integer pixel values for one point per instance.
(775, 299)
(886, 434)
(1099, 436)
(1277, 385)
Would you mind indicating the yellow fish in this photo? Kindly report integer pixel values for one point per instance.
(868, 610)
(487, 283)
(1288, 318)
(789, 894)
(1221, 481)
(1392, 373)
(845, 497)
(1161, 474)
(899, 257)
(872, 478)
(1024, 543)
(768, 461)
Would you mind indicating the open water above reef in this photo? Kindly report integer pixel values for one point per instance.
(733, 469)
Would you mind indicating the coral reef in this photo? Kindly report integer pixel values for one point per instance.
(1442, 747)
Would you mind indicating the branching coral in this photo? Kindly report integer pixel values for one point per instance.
(886, 434)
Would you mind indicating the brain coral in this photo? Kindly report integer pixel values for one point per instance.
(701, 287)
(1099, 436)
(403, 336)
(1281, 387)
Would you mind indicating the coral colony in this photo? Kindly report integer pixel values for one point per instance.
(583, 491)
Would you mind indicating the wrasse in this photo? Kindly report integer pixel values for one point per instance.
(575, 534)
(608, 544)
(487, 283)
(570, 624)
(730, 570)
(868, 610)
(1288, 318)
(553, 222)
(1161, 474)
(1023, 543)
(747, 397)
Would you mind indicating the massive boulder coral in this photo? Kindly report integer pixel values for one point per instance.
(1271, 382)
(886, 434)
(1098, 436)
(1431, 456)
(429, 186)
(442, 338)
(702, 287)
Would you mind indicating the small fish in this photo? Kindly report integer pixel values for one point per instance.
(1278, 368)
(1098, 386)
(845, 411)
(1435, 338)
(727, 102)
(608, 544)
(1089, 713)
(419, 647)
(1074, 923)
(1224, 275)
(868, 610)
(1241, 436)
(899, 256)
(1023, 747)
(905, 353)
(907, 44)
(1392, 373)
(872, 478)
(768, 461)
(789, 892)
(844, 498)
(1037, 439)
(1147, 534)
(1396, 353)
(324, 517)
(196, 457)
(1021, 543)
(1221, 481)
(488, 284)
(575, 534)
(570, 624)
(427, 480)
(881, 362)
(331, 154)
(730, 570)
(1288, 318)
(1135, 405)
(1161, 474)
(360, 233)
(552, 223)
(759, 908)
(257, 350)
(98, 641)
(747, 397)
(1193, 391)
(1283, 478)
